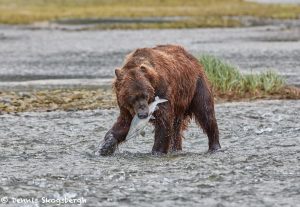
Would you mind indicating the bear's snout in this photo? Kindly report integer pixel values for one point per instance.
(143, 115)
(141, 108)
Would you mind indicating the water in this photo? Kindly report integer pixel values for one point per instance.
(55, 54)
(52, 155)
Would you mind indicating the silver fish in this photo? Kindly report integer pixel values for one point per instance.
(137, 124)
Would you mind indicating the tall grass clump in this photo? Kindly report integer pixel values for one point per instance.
(226, 79)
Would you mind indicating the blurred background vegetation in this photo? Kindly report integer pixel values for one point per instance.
(194, 13)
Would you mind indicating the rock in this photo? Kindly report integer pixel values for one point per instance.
(5, 100)
(24, 95)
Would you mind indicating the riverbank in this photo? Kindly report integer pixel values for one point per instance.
(90, 99)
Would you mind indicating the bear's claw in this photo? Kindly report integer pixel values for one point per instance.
(109, 146)
(214, 148)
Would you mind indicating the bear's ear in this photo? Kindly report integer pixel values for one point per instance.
(118, 73)
(143, 68)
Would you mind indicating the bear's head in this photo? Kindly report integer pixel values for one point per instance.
(134, 88)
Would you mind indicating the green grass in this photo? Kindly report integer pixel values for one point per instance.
(227, 80)
(201, 13)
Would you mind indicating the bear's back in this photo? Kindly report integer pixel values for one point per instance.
(161, 54)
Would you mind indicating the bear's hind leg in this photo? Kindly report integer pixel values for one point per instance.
(202, 107)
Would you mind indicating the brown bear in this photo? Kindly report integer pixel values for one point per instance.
(169, 72)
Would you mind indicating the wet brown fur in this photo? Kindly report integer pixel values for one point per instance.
(170, 72)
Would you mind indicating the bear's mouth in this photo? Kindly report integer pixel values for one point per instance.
(141, 108)
(143, 115)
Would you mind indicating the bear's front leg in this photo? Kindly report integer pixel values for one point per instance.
(115, 135)
(163, 133)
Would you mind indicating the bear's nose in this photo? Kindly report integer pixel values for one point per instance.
(142, 115)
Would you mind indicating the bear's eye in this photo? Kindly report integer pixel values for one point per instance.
(144, 96)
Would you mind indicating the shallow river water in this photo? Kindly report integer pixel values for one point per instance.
(27, 54)
(51, 155)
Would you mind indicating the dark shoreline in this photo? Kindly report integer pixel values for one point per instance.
(77, 99)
